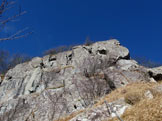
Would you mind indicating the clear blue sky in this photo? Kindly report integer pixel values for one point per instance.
(136, 23)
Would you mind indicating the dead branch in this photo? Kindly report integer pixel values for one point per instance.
(17, 35)
(4, 6)
(12, 18)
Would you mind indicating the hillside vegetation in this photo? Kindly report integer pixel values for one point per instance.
(144, 108)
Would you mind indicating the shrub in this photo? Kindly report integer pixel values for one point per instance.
(143, 108)
(146, 62)
(17, 59)
(91, 89)
(138, 88)
(133, 98)
(8, 61)
(96, 83)
(88, 42)
(4, 56)
(57, 50)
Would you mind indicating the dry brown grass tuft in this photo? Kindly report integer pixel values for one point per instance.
(67, 118)
(145, 110)
(133, 98)
(132, 93)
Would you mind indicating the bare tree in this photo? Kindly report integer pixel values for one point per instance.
(57, 50)
(3, 63)
(5, 7)
(17, 59)
(8, 61)
(88, 41)
(146, 62)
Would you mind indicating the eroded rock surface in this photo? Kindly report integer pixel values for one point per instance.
(45, 89)
(103, 111)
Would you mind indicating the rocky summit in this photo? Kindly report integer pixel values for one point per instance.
(68, 86)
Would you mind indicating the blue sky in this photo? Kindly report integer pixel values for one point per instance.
(136, 24)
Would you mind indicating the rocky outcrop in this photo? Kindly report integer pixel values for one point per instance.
(47, 88)
(103, 111)
(156, 73)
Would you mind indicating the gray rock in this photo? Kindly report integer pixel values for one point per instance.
(103, 112)
(48, 88)
(156, 73)
(153, 80)
(36, 62)
(148, 94)
(127, 64)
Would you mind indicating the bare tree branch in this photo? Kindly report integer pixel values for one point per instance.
(17, 35)
(12, 18)
(4, 6)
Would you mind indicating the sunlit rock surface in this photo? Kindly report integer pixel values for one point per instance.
(48, 88)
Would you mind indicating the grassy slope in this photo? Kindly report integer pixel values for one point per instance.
(142, 109)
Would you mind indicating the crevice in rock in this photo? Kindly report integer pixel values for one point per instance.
(52, 59)
(69, 58)
(42, 65)
(102, 52)
(120, 58)
(126, 57)
(157, 77)
(31, 91)
(89, 50)
(109, 82)
(34, 89)
(75, 107)
(10, 77)
(19, 89)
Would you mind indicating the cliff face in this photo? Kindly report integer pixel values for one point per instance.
(48, 88)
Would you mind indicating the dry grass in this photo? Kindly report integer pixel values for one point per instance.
(2, 77)
(67, 118)
(145, 110)
(142, 109)
(132, 92)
